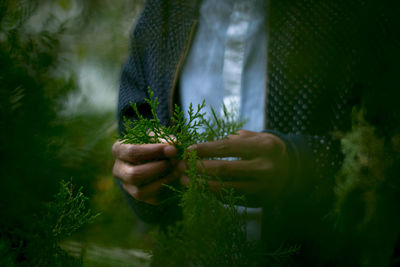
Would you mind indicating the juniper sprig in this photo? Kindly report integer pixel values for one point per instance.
(184, 131)
(69, 211)
(212, 231)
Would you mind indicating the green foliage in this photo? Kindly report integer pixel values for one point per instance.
(220, 241)
(106, 24)
(212, 231)
(39, 244)
(219, 127)
(69, 212)
(367, 188)
(30, 95)
(32, 90)
(184, 131)
(281, 254)
(362, 171)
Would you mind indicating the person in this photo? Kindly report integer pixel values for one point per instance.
(306, 62)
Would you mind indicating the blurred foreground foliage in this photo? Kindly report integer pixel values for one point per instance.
(31, 167)
(38, 243)
(367, 212)
(41, 146)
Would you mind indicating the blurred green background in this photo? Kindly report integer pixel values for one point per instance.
(60, 63)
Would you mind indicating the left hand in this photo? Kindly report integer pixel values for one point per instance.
(260, 173)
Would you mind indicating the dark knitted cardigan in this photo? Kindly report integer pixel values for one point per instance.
(322, 61)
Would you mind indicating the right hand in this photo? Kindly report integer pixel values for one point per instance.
(144, 169)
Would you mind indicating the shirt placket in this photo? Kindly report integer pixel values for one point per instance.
(234, 56)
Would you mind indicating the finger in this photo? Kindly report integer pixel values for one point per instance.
(245, 144)
(149, 193)
(140, 174)
(137, 153)
(238, 170)
(219, 148)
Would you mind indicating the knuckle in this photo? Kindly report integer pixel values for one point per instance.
(244, 132)
(115, 172)
(273, 144)
(132, 151)
(114, 149)
(279, 146)
(132, 174)
(134, 191)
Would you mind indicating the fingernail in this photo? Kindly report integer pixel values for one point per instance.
(192, 147)
(170, 151)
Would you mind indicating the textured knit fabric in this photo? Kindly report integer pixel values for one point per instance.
(316, 74)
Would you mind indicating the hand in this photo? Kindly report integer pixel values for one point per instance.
(143, 169)
(261, 173)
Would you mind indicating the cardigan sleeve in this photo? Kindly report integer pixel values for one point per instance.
(133, 88)
(129, 92)
(313, 162)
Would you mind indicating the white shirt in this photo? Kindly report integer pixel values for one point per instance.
(227, 60)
